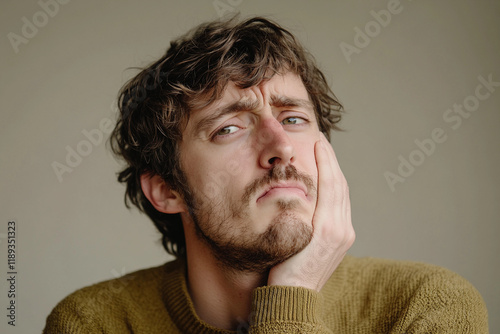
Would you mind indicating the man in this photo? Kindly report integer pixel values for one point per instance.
(225, 140)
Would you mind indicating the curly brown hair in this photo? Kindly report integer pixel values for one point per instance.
(155, 105)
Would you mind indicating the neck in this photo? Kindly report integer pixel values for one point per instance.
(222, 297)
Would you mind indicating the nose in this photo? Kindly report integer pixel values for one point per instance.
(274, 144)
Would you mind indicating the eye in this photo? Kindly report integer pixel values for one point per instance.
(226, 130)
(293, 121)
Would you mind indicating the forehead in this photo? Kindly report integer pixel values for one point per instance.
(288, 84)
(280, 90)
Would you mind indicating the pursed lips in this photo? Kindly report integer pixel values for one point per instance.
(284, 185)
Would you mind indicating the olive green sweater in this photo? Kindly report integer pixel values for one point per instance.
(363, 296)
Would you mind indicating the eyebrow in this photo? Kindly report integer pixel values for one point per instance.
(281, 101)
(248, 105)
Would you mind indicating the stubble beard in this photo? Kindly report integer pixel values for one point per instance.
(242, 250)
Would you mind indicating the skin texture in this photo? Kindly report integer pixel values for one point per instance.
(243, 154)
(271, 205)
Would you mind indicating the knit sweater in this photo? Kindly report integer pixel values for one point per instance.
(364, 295)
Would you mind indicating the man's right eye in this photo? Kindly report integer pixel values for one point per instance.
(226, 130)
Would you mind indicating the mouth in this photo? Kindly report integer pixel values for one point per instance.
(283, 189)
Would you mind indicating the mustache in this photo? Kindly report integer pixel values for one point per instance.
(277, 174)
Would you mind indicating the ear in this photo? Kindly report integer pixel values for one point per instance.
(161, 196)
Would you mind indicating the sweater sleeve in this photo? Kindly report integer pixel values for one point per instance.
(445, 303)
(280, 309)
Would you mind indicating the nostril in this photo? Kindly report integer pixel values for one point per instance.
(272, 160)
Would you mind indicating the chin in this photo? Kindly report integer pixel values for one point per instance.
(287, 235)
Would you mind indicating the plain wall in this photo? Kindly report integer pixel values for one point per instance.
(397, 88)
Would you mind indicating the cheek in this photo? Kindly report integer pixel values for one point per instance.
(213, 175)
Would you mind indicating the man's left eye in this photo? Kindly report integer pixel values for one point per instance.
(292, 121)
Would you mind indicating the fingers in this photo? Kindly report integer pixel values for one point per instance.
(332, 218)
(332, 185)
(338, 177)
(325, 177)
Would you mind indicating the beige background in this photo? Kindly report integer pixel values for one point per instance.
(396, 90)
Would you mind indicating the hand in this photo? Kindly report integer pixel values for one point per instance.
(333, 233)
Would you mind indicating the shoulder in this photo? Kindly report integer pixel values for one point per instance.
(416, 294)
(377, 267)
(413, 275)
(111, 302)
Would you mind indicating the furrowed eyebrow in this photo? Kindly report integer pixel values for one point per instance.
(247, 105)
(207, 122)
(284, 101)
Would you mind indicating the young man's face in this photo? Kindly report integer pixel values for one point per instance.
(249, 160)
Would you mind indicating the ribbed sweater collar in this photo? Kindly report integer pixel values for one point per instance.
(180, 307)
(179, 304)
